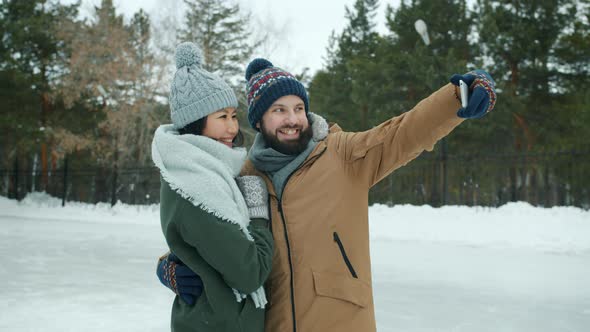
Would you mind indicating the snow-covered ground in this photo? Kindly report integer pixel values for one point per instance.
(515, 268)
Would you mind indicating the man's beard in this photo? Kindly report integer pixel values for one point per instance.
(291, 147)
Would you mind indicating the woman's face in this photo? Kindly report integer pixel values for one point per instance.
(222, 126)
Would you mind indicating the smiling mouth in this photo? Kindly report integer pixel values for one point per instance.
(227, 141)
(289, 132)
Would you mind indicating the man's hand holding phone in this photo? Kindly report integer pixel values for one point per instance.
(478, 93)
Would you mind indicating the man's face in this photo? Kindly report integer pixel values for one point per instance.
(284, 126)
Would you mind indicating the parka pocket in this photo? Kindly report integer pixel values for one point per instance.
(344, 256)
(342, 288)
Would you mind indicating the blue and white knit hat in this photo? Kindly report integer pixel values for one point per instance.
(195, 92)
(265, 84)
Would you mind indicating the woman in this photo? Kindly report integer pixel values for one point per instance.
(216, 224)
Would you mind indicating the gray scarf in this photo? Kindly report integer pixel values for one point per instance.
(279, 165)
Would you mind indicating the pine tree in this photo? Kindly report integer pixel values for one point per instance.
(221, 30)
(345, 91)
(572, 53)
(330, 90)
(520, 47)
(418, 69)
(31, 60)
(415, 69)
(519, 38)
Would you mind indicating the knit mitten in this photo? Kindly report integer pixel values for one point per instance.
(482, 93)
(179, 278)
(255, 194)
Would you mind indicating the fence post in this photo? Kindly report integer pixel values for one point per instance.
(114, 186)
(513, 174)
(65, 181)
(434, 194)
(16, 177)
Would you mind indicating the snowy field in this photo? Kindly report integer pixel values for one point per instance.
(515, 268)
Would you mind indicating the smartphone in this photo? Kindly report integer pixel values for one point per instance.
(464, 93)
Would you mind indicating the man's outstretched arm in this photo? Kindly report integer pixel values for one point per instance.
(377, 152)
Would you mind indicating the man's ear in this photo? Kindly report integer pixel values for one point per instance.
(258, 125)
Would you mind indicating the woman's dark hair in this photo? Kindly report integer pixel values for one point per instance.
(197, 127)
(194, 128)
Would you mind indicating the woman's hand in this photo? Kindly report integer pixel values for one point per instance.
(255, 194)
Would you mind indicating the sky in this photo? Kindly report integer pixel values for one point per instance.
(302, 28)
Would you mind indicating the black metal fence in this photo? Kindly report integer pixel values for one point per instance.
(542, 179)
(128, 185)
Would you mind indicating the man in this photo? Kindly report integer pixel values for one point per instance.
(319, 179)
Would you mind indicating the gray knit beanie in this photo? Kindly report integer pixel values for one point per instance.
(195, 92)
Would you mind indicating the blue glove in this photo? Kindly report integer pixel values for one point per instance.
(179, 278)
(482, 93)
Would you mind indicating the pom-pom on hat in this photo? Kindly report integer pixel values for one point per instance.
(195, 92)
(188, 54)
(265, 84)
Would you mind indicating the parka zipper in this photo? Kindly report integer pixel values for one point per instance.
(290, 265)
(344, 256)
(292, 282)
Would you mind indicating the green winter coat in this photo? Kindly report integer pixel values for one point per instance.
(220, 253)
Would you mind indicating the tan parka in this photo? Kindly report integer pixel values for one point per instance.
(321, 275)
